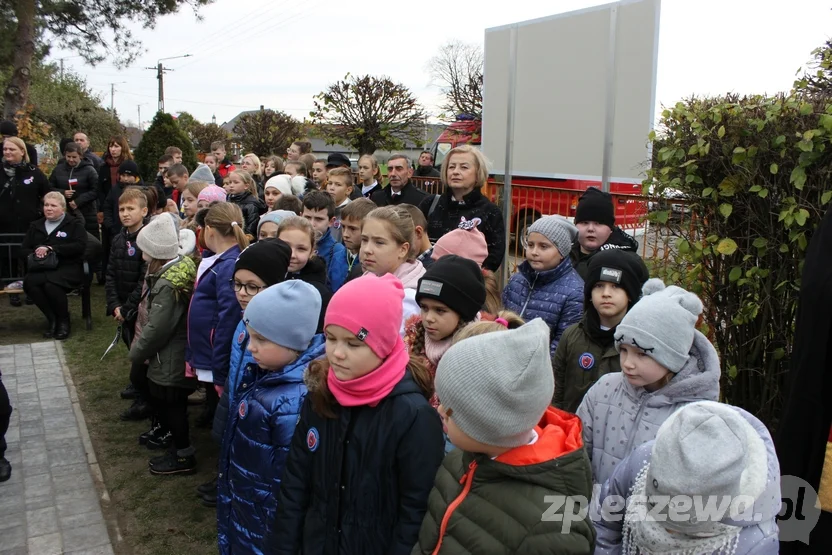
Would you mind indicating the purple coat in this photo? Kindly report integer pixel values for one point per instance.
(213, 317)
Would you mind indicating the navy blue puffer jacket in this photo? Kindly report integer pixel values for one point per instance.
(556, 295)
(254, 451)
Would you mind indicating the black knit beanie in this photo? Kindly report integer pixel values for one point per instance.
(268, 259)
(624, 268)
(8, 128)
(595, 206)
(129, 167)
(456, 282)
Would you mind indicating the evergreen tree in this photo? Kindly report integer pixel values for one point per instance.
(162, 133)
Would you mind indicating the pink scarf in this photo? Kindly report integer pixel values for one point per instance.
(435, 349)
(373, 387)
(409, 274)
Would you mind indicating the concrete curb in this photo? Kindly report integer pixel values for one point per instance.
(92, 460)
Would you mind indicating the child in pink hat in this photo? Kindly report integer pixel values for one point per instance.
(466, 241)
(368, 444)
(209, 194)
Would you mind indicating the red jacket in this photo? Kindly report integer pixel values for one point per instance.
(225, 167)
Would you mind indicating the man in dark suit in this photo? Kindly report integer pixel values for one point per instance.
(400, 190)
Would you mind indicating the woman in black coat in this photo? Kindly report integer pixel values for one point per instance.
(464, 172)
(75, 178)
(22, 188)
(64, 235)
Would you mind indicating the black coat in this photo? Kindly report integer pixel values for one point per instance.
(426, 171)
(618, 240)
(314, 273)
(448, 214)
(358, 484)
(252, 208)
(410, 194)
(93, 159)
(125, 274)
(110, 208)
(69, 241)
(807, 413)
(83, 179)
(21, 198)
(105, 180)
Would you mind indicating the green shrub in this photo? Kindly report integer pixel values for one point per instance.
(757, 173)
(162, 133)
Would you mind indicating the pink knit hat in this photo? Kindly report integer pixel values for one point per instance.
(212, 193)
(370, 307)
(466, 241)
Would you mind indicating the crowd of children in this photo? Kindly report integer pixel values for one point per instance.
(372, 392)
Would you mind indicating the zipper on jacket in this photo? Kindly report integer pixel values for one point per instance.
(636, 423)
(466, 480)
(529, 297)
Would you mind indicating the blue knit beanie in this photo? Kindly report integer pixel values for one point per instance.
(286, 314)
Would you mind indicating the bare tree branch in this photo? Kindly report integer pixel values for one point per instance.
(457, 71)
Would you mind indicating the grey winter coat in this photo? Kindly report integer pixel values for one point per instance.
(619, 417)
(756, 538)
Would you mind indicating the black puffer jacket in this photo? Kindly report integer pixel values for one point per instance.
(21, 198)
(83, 179)
(125, 274)
(314, 273)
(448, 214)
(358, 484)
(252, 208)
(110, 208)
(618, 240)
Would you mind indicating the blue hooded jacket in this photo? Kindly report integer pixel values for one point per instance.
(556, 295)
(255, 446)
(212, 317)
(335, 256)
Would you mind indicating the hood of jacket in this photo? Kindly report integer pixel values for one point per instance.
(180, 272)
(697, 380)
(84, 163)
(546, 276)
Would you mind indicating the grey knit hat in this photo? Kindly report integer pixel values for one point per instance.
(160, 238)
(499, 384)
(297, 298)
(707, 449)
(560, 231)
(661, 324)
(202, 174)
(275, 216)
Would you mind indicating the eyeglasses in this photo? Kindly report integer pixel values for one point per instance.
(250, 288)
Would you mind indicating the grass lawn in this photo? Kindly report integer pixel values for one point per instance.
(155, 515)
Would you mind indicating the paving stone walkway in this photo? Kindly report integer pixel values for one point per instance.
(50, 505)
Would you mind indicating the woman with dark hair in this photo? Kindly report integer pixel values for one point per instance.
(76, 179)
(118, 151)
(60, 234)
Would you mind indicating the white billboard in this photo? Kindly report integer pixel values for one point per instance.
(583, 78)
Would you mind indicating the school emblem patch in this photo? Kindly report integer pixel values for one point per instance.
(313, 439)
(131, 252)
(241, 337)
(586, 361)
(243, 410)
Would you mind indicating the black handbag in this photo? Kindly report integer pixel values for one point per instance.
(48, 262)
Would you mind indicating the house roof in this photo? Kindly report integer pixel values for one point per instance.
(229, 125)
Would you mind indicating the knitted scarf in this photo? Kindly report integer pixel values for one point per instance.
(645, 536)
(409, 274)
(371, 388)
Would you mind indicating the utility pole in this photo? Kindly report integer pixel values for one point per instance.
(141, 127)
(113, 93)
(160, 75)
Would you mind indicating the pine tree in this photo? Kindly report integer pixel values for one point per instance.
(162, 133)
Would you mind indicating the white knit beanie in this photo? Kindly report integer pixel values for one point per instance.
(282, 183)
(160, 238)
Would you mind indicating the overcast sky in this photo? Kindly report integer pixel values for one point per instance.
(280, 53)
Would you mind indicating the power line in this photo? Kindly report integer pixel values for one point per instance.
(261, 28)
